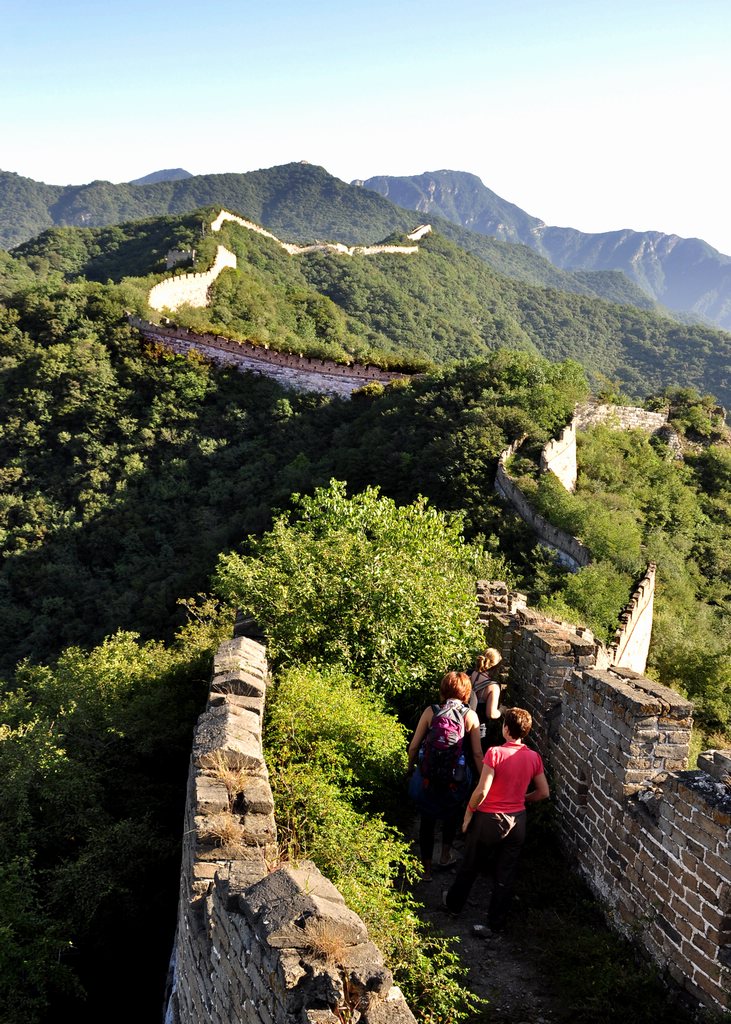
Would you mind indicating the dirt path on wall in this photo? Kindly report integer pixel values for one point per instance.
(557, 961)
(501, 969)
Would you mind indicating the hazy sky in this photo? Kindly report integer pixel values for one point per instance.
(598, 115)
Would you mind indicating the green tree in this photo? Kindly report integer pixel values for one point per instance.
(387, 591)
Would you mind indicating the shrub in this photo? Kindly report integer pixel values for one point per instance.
(387, 591)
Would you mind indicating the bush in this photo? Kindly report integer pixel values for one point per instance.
(341, 732)
(387, 591)
(318, 761)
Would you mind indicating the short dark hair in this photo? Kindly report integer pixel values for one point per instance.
(518, 722)
(455, 685)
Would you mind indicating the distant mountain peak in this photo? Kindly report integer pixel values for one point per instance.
(172, 174)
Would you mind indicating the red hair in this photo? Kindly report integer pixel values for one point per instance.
(455, 685)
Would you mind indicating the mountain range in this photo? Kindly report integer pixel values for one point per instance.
(439, 304)
(685, 275)
(296, 201)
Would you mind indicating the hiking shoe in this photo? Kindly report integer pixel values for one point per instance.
(481, 931)
(445, 893)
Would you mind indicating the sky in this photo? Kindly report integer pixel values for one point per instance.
(595, 115)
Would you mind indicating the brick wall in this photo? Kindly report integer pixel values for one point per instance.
(300, 373)
(631, 643)
(259, 941)
(190, 289)
(331, 247)
(570, 550)
(651, 837)
(558, 456)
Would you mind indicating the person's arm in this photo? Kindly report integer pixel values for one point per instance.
(541, 791)
(472, 728)
(421, 731)
(483, 788)
(492, 700)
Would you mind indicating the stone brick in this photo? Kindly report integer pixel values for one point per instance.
(240, 683)
(710, 877)
(211, 795)
(716, 989)
(720, 865)
(391, 1010)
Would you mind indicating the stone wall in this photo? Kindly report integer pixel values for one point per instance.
(558, 456)
(623, 417)
(190, 289)
(570, 550)
(259, 941)
(331, 247)
(651, 838)
(291, 371)
(631, 644)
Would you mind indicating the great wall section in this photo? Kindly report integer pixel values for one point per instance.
(290, 370)
(300, 373)
(650, 837)
(255, 937)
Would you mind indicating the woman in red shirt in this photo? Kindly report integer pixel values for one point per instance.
(495, 817)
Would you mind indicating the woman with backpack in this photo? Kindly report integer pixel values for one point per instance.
(485, 697)
(445, 756)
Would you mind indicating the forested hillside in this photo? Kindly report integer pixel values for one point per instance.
(684, 274)
(298, 202)
(129, 474)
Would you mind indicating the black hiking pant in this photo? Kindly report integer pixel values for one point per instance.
(490, 835)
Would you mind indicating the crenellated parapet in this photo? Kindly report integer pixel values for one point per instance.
(631, 643)
(569, 549)
(190, 289)
(558, 456)
(330, 247)
(299, 372)
(651, 837)
(259, 940)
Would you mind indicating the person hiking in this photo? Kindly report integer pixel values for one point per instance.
(485, 697)
(445, 757)
(495, 819)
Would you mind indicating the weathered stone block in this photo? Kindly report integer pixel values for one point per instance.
(223, 736)
(292, 906)
(391, 1010)
(211, 795)
(241, 683)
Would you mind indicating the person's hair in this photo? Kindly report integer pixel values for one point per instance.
(518, 722)
(455, 685)
(488, 660)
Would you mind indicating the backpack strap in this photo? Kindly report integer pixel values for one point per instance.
(479, 688)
